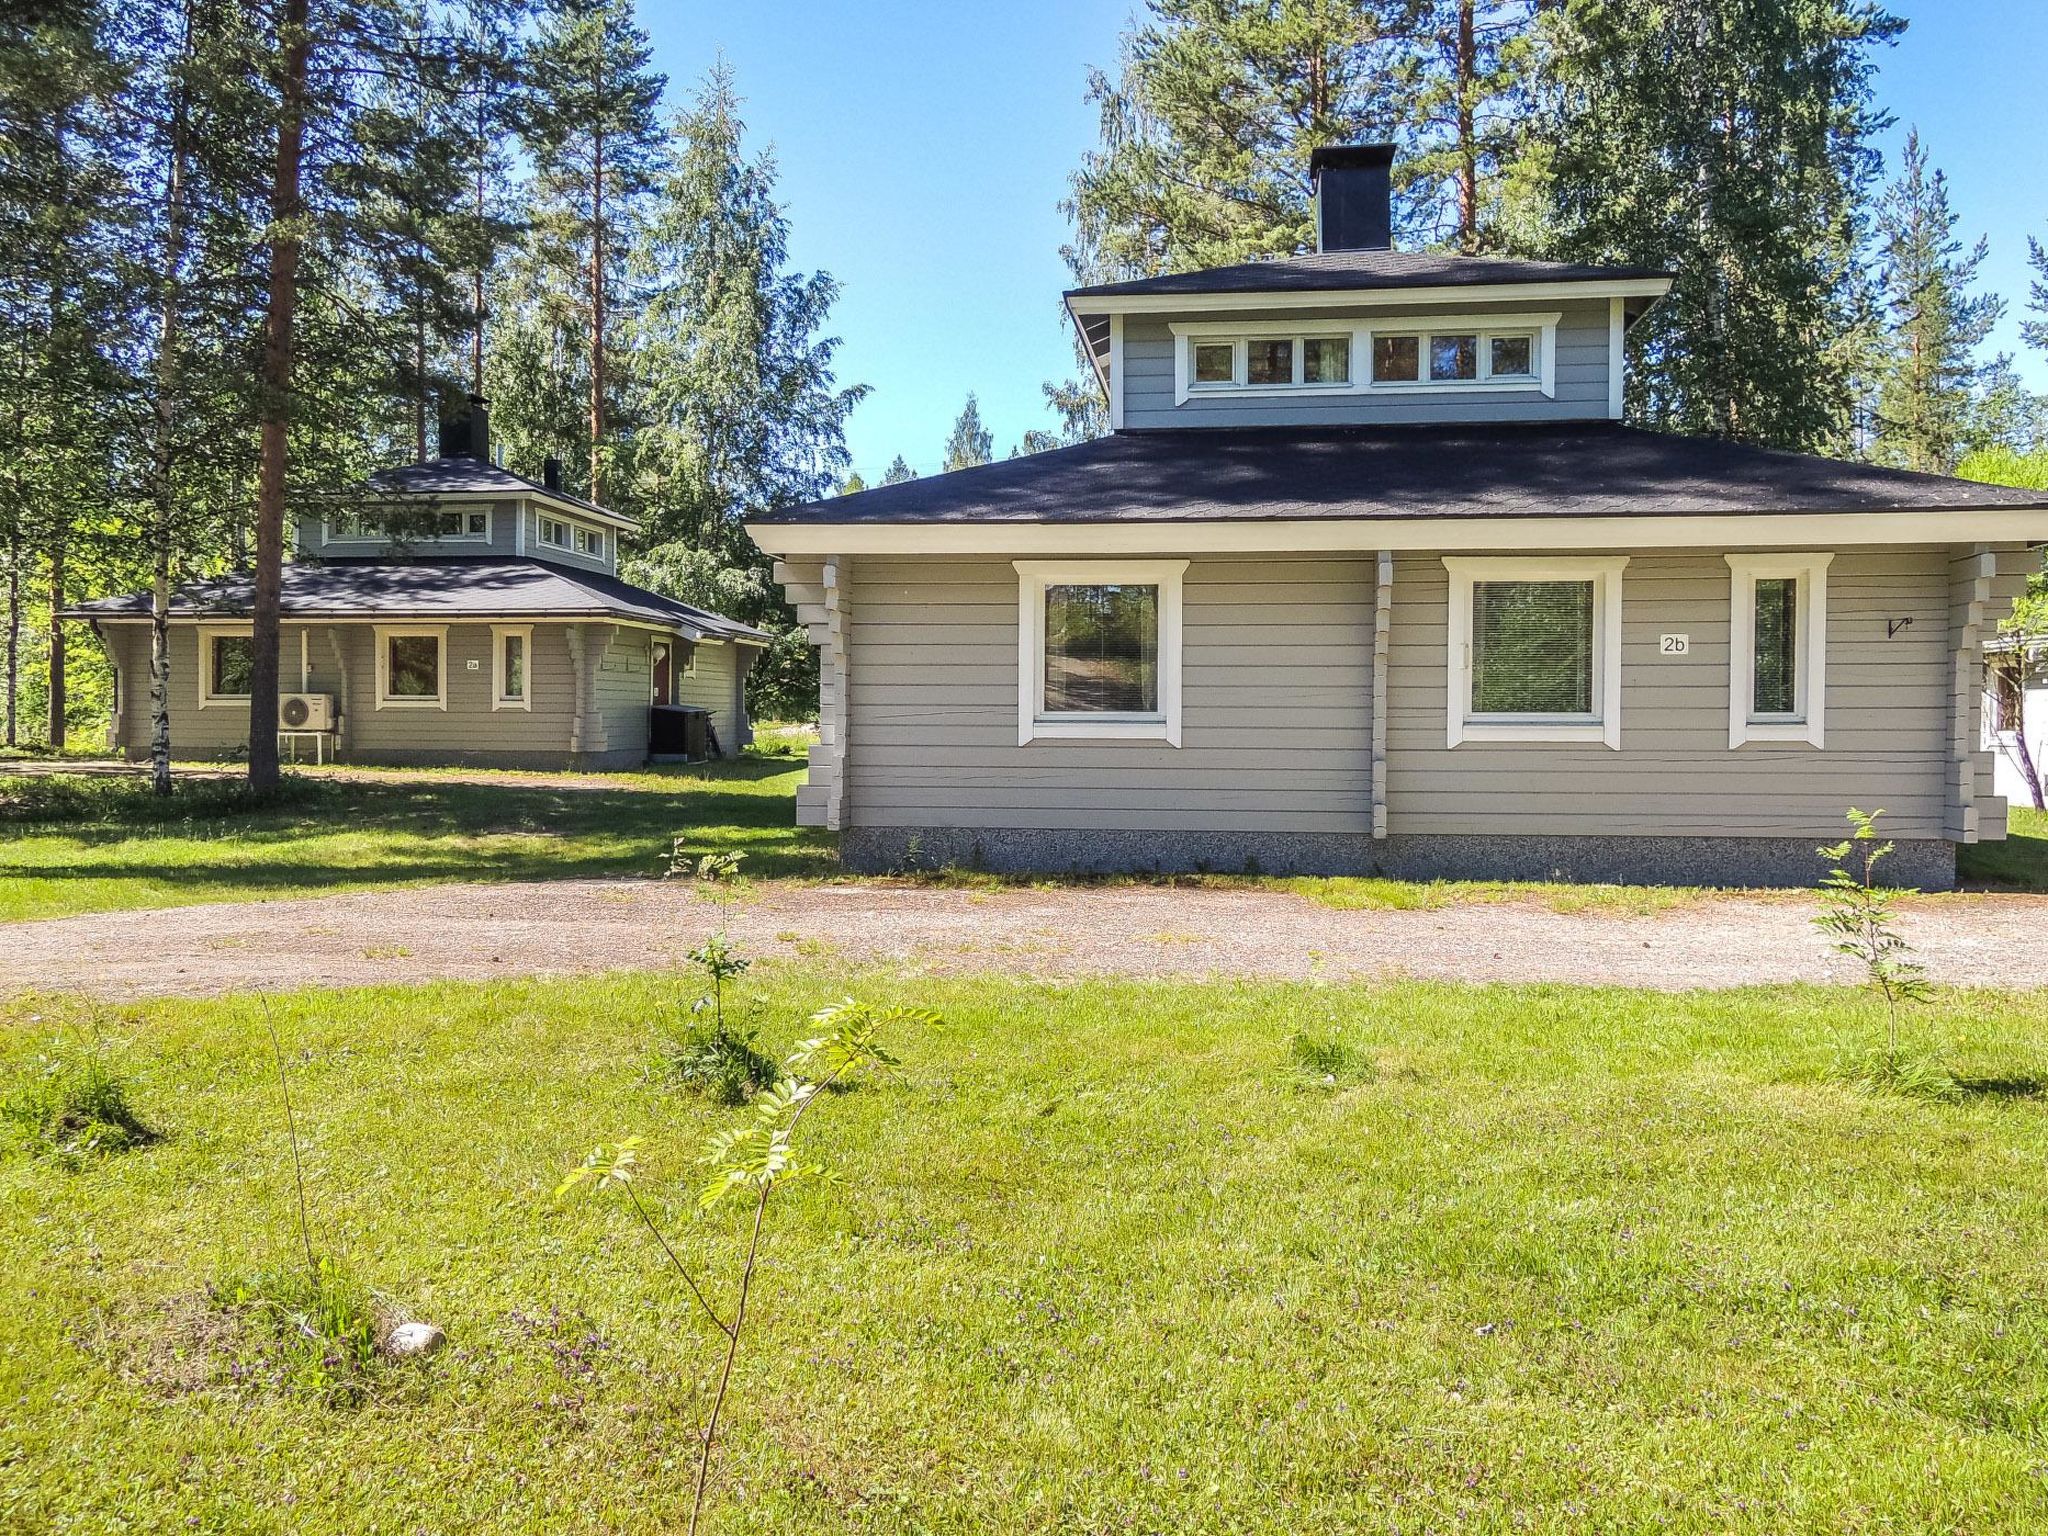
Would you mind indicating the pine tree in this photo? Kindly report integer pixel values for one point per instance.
(852, 485)
(1727, 141)
(898, 472)
(1468, 89)
(1927, 367)
(590, 123)
(2035, 332)
(970, 443)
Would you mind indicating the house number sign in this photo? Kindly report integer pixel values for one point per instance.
(1674, 645)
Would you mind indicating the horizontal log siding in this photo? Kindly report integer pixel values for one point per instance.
(1276, 726)
(1581, 380)
(1675, 774)
(504, 537)
(712, 686)
(468, 730)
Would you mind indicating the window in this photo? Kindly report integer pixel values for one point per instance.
(511, 651)
(1099, 649)
(411, 670)
(1535, 650)
(1504, 358)
(555, 532)
(467, 524)
(590, 541)
(2008, 694)
(1777, 654)
(227, 663)
(1215, 362)
(1265, 362)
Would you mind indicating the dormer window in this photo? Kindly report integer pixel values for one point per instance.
(1363, 354)
(1456, 357)
(560, 533)
(463, 523)
(1271, 362)
(590, 542)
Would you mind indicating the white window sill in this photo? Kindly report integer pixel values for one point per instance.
(510, 704)
(1537, 730)
(1102, 728)
(1801, 731)
(412, 704)
(225, 701)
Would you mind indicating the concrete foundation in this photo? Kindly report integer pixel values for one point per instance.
(1924, 864)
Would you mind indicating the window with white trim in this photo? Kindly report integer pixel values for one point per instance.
(1455, 355)
(1098, 649)
(554, 531)
(1534, 649)
(511, 666)
(1363, 354)
(468, 524)
(227, 664)
(1777, 652)
(412, 667)
(590, 541)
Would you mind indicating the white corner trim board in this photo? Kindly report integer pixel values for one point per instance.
(1116, 373)
(1033, 577)
(1807, 720)
(386, 633)
(1603, 724)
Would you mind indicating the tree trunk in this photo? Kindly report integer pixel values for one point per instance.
(164, 424)
(1468, 133)
(13, 630)
(273, 465)
(596, 315)
(58, 703)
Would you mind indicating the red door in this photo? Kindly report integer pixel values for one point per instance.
(661, 673)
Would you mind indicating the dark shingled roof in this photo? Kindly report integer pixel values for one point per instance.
(450, 589)
(1333, 270)
(464, 476)
(1574, 469)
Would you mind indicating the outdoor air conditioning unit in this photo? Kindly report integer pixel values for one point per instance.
(306, 711)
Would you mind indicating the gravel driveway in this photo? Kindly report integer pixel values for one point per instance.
(574, 926)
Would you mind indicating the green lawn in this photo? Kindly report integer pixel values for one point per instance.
(2020, 862)
(75, 843)
(1573, 1261)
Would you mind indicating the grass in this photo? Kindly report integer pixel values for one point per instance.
(80, 843)
(1575, 1260)
(2019, 862)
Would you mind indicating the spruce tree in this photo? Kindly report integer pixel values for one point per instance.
(898, 472)
(970, 443)
(1729, 142)
(1927, 365)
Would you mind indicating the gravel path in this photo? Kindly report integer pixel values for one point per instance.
(575, 926)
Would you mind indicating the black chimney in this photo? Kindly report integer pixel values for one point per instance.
(466, 430)
(1354, 186)
(551, 472)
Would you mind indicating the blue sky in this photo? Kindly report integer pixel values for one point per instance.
(924, 149)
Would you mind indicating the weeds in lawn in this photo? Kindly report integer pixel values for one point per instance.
(1908, 1074)
(755, 1158)
(317, 1329)
(1330, 1060)
(712, 1054)
(1856, 914)
(76, 1107)
(63, 798)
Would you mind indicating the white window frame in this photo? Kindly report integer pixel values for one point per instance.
(582, 535)
(386, 633)
(1808, 721)
(330, 534)
(540, 531)
(1541, 328)
(500, 633)
(1033, 577)
(208, 633)
(1604, 724)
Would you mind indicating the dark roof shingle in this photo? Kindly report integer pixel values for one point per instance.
(1338, 270)
(473, 477)
(1573, 469)
(447, 589)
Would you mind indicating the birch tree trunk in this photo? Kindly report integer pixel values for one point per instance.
(273, 463)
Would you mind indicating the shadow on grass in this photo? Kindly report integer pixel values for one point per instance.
(329, 832)
(2018, 862)
(2020, 1086)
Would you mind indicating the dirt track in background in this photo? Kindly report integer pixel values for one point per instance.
(568, 927)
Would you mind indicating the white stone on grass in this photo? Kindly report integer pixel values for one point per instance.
(409, 1340)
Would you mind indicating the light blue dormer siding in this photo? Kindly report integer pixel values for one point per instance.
(1575, 372)
(512, 527)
